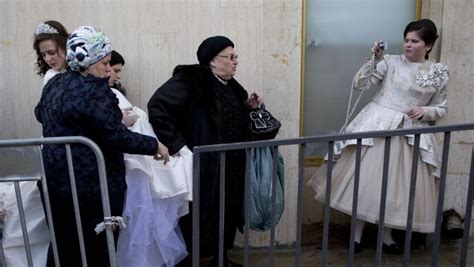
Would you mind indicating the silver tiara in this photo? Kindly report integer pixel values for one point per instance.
(45, 28)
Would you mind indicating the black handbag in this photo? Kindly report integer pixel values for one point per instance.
(263, 125)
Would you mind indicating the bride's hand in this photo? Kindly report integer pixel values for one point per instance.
(162, 153)
(127, 118)
(377, 51)
(416, 113)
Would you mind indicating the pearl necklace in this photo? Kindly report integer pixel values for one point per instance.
(224, 82)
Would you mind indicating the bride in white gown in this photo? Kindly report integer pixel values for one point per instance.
(157, 195)
(49, 43)
(12, 234)
(411, 92)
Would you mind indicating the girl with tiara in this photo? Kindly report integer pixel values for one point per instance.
(50, 45)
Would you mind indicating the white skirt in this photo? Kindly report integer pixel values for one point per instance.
(152, 236)
(370, 185)
(38, 233)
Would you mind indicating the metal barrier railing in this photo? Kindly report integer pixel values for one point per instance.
(274, 144)
(37, 173)
(330, 139)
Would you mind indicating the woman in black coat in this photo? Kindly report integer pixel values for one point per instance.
(203, 105)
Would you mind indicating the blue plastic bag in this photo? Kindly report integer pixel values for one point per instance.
(261, 170)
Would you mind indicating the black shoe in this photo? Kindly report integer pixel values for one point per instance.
(358, 247)
(454, 234)
(452, 225)
(393, 248)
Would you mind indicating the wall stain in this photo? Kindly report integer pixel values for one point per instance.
(283, 59)
(6, 43)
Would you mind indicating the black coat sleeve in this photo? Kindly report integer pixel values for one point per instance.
(164, 109)
(102, 114)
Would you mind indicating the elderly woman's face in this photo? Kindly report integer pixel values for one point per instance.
(101, 68)
(225, 63)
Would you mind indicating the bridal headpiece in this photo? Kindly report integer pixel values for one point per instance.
(45, 28)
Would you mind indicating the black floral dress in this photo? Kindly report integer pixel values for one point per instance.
(74, 105)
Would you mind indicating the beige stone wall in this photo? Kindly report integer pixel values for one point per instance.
(456, 50)
(154, 36)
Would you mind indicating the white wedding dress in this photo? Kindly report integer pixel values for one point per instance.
(12, 235)
(400, 85)
(38, 233)
(157, 196)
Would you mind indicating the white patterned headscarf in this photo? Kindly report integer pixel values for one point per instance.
(86, 46)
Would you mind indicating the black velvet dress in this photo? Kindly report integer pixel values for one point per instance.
(73, 105)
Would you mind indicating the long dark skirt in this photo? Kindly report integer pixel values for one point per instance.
(66, 231)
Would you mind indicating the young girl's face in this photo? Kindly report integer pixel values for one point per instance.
(53, 55)
(414, 47)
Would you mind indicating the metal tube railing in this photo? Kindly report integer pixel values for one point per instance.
(411, 200)
(23, 223)
(49, 213)
(383, 200)
(299, 205)
(196, 208)
(323, 260)
(334, 137)
(467, 219)
(274, 144)
(355, 201)
(75, 202)
(330, 139)
(274, 150)
(439, 208)
(102, 178)
(248, 153)
(221, 208)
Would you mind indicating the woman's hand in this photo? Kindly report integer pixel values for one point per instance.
(377, 51)
(162, 153)
(254, 101)
(416, 113)
(128, 119)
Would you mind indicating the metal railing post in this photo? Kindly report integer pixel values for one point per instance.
(442, 189)
(383, 201)
(299, 205)
(196, 209)
(355, 201)
(67, 140)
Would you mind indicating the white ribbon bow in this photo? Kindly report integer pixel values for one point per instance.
(113, 221)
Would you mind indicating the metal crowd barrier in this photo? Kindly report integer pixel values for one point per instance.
(330, 139)
(21, 160)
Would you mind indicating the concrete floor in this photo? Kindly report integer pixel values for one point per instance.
(449, 256)
(450, 252)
